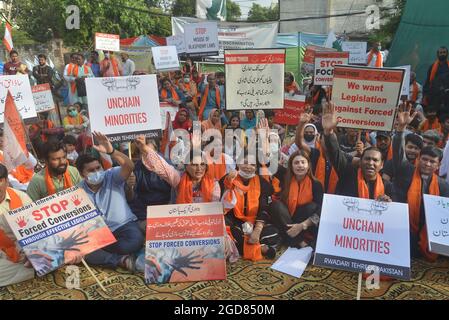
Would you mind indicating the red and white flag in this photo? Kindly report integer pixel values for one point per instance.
(7, 39)
(15, 151)
(166, 137)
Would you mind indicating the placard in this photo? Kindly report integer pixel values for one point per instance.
(19, 86)
(107, 42)
(43, 98)
(165, 58)
(437, 223)
(324, 66)
(201, 39)
(293, 108)
(357, 51)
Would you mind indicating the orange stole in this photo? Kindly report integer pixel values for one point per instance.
(185, 189)
(216, 170)
(299, 194)
(204, 100)
(174, 94)
(8, 245)
(379, 62)
(363, 189)
(320, 173)
(73, 69)
(414, 196)
(51, 189)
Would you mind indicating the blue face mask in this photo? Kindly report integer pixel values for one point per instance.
(73, 113)
(95, 178)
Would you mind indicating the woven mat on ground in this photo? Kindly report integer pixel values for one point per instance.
(246, 280)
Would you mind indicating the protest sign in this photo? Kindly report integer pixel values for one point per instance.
(356, 233)
(165, 58)
(178, 41)
(308, 62)
(437, 223)
(201, 39)
(107, 42)
(43, 98)
(357, 51)
(236, 35)
(405, 91)
(185, 242)
(167, 107)
(254, 79)
(293, 107)
(324, 66)
(366, 98)
(20, 89)
(125, 107)
(53, 229)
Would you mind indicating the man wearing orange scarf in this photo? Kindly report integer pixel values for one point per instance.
(437, 76)
(415, 180)
(415, 89)
(245, 198)
(74, 73)
(56, 176)
(383, 143)
(12, 268)
(363, 182)
(375, 57)
(212, 97)
(110, 66)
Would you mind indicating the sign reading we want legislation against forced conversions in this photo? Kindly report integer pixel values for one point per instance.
(356, 233)
(124, 107)
(366, 98)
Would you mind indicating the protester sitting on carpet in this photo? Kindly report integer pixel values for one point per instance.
(58, 175)
(171, 94)
(75, 123)
(106, 190)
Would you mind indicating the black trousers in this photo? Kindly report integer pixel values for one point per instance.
(269, 235)
(281, 218)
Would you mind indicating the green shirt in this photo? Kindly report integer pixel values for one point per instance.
(37, 189)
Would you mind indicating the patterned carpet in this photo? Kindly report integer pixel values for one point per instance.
(246, 281)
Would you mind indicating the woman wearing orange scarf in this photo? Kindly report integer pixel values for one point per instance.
(413, 181)
(170, 93)
(245, 199)
(300, 206)
(212, 122)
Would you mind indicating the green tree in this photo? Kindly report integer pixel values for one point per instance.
(46, 19)
(259, 13)
(233, 12)
(184, 8)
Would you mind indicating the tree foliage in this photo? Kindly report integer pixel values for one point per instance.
(233, 12)
(46, 19)
(388, 29)
(259, 13)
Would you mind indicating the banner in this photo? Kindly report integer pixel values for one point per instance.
(142, 57)
(53, 229)
(43, 98)
(178, 41)
(324, 66)
(236, 35)
(20, 89)
(405, 91)
(308, 62)
(125, 107)
(165, 58)
(357, 51)
(437, 223)
(201, 39)
(254, 79)
(185, 242)
(366, 98)
(211, 9)
(356, 233)
(293, 108)
(107, 42)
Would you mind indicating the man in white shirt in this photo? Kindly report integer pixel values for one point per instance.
(128, 65)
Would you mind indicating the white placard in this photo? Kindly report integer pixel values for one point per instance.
(357, 51)
(178, 41)
(324, 66)
(254, 79)
(124, 106)
(355, 233)
(165, 58)
(437, 222)
(43, 98)
(19, 86)
(406, 83)
(293, 261)
(201, 39)
(107, 42)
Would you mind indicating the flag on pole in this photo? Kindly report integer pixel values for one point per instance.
(166, 137)
(211, 9)
(7, 39)
(332, 41)
(14, 146)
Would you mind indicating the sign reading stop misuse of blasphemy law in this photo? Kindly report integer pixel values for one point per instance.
(125, 107)
(43, 98)
(366, 98)
(254, 79)
(185, 242)
(201, 39)
(437, 223)
(107, 42)
(324, 66)
(356, 233)
(54, 229)
(20, 89)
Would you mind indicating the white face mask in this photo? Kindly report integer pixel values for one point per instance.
(245, 175)
(72, 155)
(95, 178)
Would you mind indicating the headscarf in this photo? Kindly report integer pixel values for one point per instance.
(208, 124)
(312, 143)
(187, 125)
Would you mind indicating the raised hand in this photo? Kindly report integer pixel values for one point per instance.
(142, 145)
(404, 117)
(305, 117)
(104, 145)
(329, 119)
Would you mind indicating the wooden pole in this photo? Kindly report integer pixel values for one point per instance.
(93, 275)
(359, 286)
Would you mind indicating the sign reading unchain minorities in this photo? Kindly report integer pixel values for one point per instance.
(185, 242)
(366, 98)
(125, 107)
(254, 79)
(356, 233)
